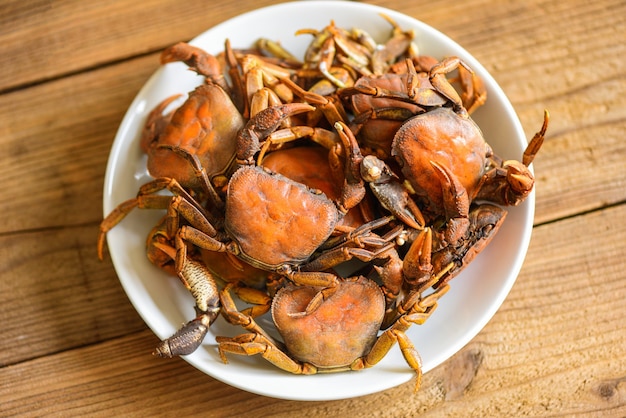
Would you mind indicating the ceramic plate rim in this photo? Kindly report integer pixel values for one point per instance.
(253, 374)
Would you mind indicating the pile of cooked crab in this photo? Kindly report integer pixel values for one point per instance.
(277, 172)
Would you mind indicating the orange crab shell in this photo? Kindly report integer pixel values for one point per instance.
(275, 220)
(377, 134)
(342, 329)
(309, 166)
(445, 138)
(205, 125)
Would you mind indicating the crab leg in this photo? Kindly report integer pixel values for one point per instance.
(146, 199)
(253, 344)
(536, 142)
(510, 182)
(391, 194)
(417, 314)
(201, 284)
(244, 319)
(342, 254)
(331, 108)
(398, 44)
(442, 85)
(361, 236)
(261, 126)
(473, 92)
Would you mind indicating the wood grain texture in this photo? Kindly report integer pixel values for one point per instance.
(48, 39)
(71, 342)
(56, 295)
(61, 133)
(557, 345)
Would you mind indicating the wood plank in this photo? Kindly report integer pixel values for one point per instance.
(56, 295)
(590, 158)
(579, 78)
(49, 39)
(559, 333)
(558, 341)
(56, 138)
(40, 127)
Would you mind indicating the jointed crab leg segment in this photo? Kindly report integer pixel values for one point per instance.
(182, 207)
(261, 126)
(253, 344)
(146, 199)
(321, 136)
(201, 284)
(442, 85)
(332, 109)
(260, 300)
(235, 317)
(360, 235)
(536, 142)
(343, 254)
(397, 333)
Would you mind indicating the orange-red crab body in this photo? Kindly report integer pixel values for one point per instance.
(377, 131)
(205, 126)
(310, 166)
(339, 331)
(445, 138)
(263, 211)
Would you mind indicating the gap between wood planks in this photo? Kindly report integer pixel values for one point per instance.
(581, 213)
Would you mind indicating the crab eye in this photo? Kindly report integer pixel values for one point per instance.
(486, 230)
(371, 168)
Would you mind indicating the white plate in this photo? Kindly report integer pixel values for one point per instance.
(475, 295)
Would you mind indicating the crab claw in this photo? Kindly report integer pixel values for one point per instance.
(186, 340)
(391, 194)
(202, 286)
(261, 126)
(353, 189)
(417, 265)
(519, 178)
(511, 183)
(197, 60)
(456, 204)
(484, 221)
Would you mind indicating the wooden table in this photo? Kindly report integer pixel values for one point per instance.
(72, 344)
